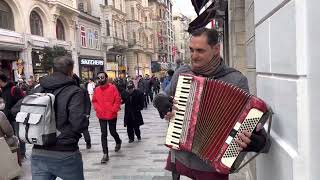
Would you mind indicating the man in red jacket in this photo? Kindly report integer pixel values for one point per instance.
(106, 102)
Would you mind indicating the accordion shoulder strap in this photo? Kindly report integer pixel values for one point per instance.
(268, 138)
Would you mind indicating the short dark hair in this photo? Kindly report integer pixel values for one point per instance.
(170, 72)
(212, 35)
(103, 73)
(3, 77)
(63, 64)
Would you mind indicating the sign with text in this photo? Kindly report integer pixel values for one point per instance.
(92, 62)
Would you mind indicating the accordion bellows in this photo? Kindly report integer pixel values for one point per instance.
(210, 116)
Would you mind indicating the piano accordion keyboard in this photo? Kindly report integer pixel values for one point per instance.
(176, 123)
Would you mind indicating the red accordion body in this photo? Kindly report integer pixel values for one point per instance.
(211, 114)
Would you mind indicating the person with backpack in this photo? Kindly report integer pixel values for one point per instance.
(58, 154)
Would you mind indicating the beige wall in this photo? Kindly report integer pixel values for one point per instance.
(22, 37)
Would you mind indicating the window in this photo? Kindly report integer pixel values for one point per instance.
(6, 16)
(115, 29)
(106, 2)
(132, 13)
(122, 32)
(90, 35)
(60, 30)
(120, 5)
(36, 24)
(145, 21)
(113, 3)
(96, 37)
(83, 36)
(108, 27)
(81, 6)
(134, 37)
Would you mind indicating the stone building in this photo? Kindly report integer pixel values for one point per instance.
(27, 26)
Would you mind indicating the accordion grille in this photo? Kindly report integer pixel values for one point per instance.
(221, 104)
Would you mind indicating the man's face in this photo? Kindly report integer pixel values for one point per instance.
(102, 79)
(201, 51)
(2, 84)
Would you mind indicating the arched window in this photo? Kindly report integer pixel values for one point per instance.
(36, 24)
(6, 16)
(60, 30)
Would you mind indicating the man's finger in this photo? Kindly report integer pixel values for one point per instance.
(175, 108)
(259, 127)
(175, 101)
(244, 138)
(241, 144)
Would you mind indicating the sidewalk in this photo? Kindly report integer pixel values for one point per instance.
(140, 160)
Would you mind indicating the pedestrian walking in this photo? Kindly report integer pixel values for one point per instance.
(148, 88)
(87, 107)
(11, 94)
(142, 87)
(106, 102)
(90, 87)
(63, 158)
(156, 85)
(167, 79)
(6, 129)
(134, 103)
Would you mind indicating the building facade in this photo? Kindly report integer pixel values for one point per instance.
(90, 54)
(27, 26)
(181, 47)
(115, 38)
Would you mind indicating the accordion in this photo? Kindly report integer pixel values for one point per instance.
(211, 115)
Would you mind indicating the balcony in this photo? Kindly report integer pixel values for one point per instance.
(135, 45)
(148, 50)
(115, 43)
(11, 40)
(69, 4)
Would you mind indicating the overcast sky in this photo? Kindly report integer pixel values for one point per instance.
(184, 6)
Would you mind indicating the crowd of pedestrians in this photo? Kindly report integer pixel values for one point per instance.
(72, 108)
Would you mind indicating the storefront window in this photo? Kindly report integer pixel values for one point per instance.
(89, 68)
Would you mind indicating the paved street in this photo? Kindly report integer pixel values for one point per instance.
(144, 160)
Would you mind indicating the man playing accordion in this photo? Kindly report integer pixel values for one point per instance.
(206, 62)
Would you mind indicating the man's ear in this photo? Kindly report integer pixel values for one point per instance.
(216, 48)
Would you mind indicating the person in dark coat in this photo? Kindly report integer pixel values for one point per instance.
(134, 103)
(87, 105)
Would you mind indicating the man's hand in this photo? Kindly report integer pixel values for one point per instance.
(244, 138)
(170, 114)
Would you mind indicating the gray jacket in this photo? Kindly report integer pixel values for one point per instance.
(6, 131)
(223, 73)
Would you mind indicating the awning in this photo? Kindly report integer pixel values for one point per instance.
(203, 19)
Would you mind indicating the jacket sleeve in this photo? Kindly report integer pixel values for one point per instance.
(95, 101)
(5, 126)
(259, 140)
(117, 100)
(77, 115)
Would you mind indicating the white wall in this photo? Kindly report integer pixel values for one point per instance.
(287, 61)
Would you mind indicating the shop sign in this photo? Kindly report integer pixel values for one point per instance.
(91, 62)
(112, 66)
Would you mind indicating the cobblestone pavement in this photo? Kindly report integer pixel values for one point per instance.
(140, 160)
